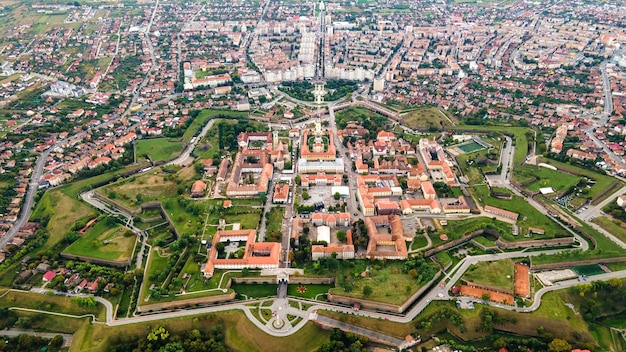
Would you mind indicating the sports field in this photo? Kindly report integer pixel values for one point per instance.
(522, 280)
(588, 270)
(470, 147)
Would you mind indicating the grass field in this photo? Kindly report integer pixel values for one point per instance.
(240, 334)
(498, 273)
(528, 215)
(198, 123)
(118, 247)
(427, 118)
(159, 149)
(545, 177)
(147, 187)
(456, 229)
(310, 291)
(53, 303)
(603, 182)
(63, 211)
(255, 290)
(611, 227)
(389, 285)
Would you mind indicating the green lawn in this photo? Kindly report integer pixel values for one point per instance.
(611, 227)
(389, 284)
(545, 177)
(603, 182)
(274, 224)
(103, 241)
(52, 303)
(255, 290)
(456, 229)
(528, 215)
(444, 258)
(426, 118)
(200, 121)
(309, 291)
(240, 333)
(485, 242)
(420, 241)
(498, 273)
(159, 149)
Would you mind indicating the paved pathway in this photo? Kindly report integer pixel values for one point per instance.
(372, 335)
(67, 338)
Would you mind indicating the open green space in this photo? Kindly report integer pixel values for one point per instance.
(485, 242)
(240, 333)
(611, 226)
(497, 273)
(307, 291)
(519, 138)
(456, 229)
(388, 282)
(528, 215)
(255, 290)
(205, 115)
(52, 303)
(426, 118)
(602, 182)
(159, 149)
(274, 222)
(104, 241)
(370, 120)
(419, 241)
(134, 191)
(544, 177)
(605, 248)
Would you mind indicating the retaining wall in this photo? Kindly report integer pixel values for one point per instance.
(186, 303)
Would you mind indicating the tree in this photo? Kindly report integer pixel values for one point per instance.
(158, 333)
(337, 195)
(341, 235)
(485, 296)
(23, 322)
(305, 195)
(298, 180)
(367, 290)
(558, 345)
(57, 341)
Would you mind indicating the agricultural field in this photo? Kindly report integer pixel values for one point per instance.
(104, 241)
(159, 149)
(427, 118)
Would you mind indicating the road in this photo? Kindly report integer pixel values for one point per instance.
(373, 335)
(347, 162)
(184, 158)
(146, 36)
(29, 199)
(604, 117)
(67, 338)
